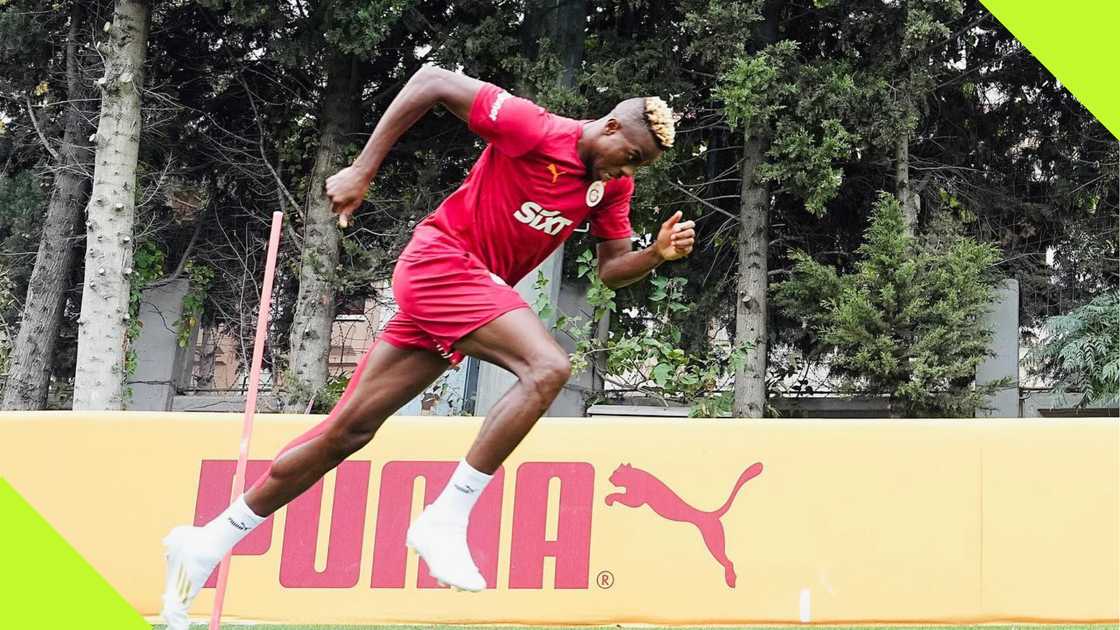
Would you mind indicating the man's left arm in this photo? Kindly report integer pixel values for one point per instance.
(620, 265)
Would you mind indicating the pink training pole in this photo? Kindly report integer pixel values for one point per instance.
(250, 403)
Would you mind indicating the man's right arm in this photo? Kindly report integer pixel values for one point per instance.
(428, 87)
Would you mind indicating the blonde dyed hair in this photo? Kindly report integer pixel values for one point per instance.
(660, 120)
(653, 113)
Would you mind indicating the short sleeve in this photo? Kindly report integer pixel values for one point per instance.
(514, 125)
(611, 219)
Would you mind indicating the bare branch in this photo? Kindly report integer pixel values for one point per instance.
(35, 123)
(260, 144)
(159, 182)
(182, 261)
(680, 186)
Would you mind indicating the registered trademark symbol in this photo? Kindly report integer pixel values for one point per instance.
(605, 579)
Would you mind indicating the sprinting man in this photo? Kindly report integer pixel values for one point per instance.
(539, 178)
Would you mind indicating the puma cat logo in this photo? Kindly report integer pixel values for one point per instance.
(556, 172)
(642, 488)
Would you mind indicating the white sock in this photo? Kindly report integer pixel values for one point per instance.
(461, 493)
(230, 527)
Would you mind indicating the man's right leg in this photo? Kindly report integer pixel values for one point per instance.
(386, 378)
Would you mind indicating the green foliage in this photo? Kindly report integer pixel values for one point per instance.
(650, 361)
(147, 266)
(716, 30)
(542, 305)
(25, 33)
(1080, 351)
(806, 162)
(927, 22)
(804, 109)
(538, 80)
(908, 322)
(360, 27)
(328, 396)
(757, 87)
(201, 277)
(808, 296)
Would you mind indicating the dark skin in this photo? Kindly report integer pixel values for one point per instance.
(612, 146)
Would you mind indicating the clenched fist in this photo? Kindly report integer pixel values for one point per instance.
(675, 239)
(346, 189)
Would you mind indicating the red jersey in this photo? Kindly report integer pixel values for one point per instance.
(527, 192)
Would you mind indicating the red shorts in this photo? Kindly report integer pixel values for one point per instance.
(444, 294)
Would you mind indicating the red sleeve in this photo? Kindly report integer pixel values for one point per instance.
(611, 218)
(514, 125)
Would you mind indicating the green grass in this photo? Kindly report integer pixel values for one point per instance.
(1008, 627)
(1103, 626)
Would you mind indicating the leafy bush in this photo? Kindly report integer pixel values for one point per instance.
(1081, 351)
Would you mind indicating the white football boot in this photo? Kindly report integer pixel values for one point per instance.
(188, 568)
(442, 543)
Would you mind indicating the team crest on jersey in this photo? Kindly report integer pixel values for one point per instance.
(550, 222)
(595, 193)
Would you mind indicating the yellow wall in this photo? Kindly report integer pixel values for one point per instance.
(848, 521)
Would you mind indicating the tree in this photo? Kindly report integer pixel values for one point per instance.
(908, 322)
(30, 360)
(21, 201)
(99, 378)
(315, 304)
(923, 26)
(790, 104)
(353, 36)
(753, 247)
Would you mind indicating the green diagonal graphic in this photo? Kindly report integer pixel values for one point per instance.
(45, 584)
(1079, 43)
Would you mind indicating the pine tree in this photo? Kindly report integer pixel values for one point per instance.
(908, 322)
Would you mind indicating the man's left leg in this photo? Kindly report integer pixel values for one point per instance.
(518, 342)
(386, 378)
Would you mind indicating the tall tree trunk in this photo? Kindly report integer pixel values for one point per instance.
(907, 196)
(30, 368)
(750, 305)
(315, 304)
(102, 333)
(753, 248)
(905, 193)
(564, 23)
